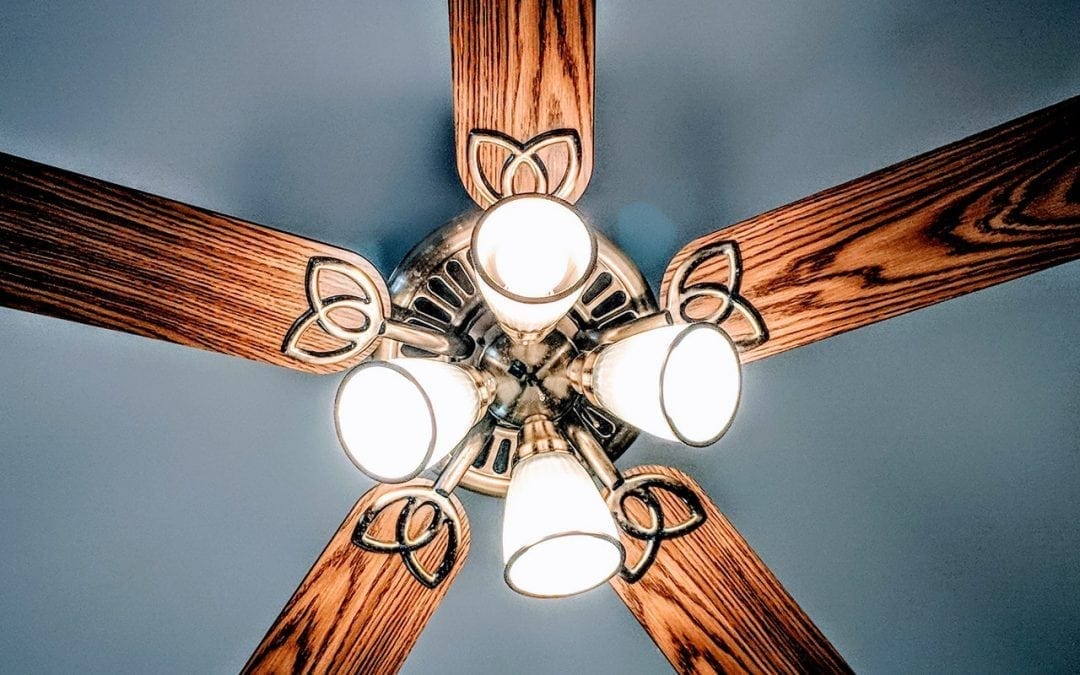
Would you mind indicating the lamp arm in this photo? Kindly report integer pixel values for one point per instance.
(436, 342)
(463, 457)
(593, 453)
(641, 324)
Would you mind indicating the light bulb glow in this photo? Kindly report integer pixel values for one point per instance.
(559, 537)
(677, 382)
(532, 255)
(531, 266)
(399, 417)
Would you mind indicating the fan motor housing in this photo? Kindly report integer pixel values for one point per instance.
(435, 287)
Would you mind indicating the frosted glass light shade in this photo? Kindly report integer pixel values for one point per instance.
(396, 418)
(559, 538)
(678, 382)
(532, 255)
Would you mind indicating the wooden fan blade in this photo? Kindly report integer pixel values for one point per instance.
(987, 209)
(523, 71)
(711, 605)
(357, 611)
(82, 249)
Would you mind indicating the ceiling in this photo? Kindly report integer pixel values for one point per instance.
(914, 484)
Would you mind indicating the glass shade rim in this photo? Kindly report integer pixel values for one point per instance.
(499, 288)
(699, 325)
(559, 535)
(423, 464)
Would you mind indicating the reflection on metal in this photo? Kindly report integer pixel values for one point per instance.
(643, 489)
(426, 339)
(437, 514)
(625, 330)
(538, 436)
(367, 302)
(435, 287)
(523, 155)
(681, 295)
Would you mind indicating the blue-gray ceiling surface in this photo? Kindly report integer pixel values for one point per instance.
(914, 484)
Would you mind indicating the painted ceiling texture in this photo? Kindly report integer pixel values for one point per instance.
(914, 484)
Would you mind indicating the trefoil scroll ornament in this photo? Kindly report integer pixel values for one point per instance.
(523, 155)
(644, 489)
(367, 301)
(681, 295)
(426, 508)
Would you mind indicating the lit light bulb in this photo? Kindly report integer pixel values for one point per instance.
(532, 255)
(677, 382)
(530, 266)
(559, 537)
(399, 417)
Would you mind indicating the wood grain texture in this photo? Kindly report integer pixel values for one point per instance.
(82, 249)
(355, 611)
(522, 68)
(987, 209)
(712, 606)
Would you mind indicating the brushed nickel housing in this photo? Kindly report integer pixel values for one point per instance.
(434, 289)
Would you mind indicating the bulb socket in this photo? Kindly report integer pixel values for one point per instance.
(580, 373)
(485, 387)
(539, 435)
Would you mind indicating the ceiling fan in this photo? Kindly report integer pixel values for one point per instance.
(993, 207)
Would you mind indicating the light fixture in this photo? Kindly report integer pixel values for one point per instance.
(532, 255)
(530, 351)
(397, 418)
(559, 537)
(679, 382)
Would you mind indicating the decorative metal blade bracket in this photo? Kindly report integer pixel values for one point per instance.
(523, 155)
(368, 302)
(681, 294)
(642, 489)
(378, 321)
(410, 501)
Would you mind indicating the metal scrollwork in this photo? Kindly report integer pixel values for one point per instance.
(524, 155)
(643, 488)
(414, 500)
(680, 294)
(368, 302)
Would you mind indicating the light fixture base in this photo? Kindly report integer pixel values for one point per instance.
(435, 287)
